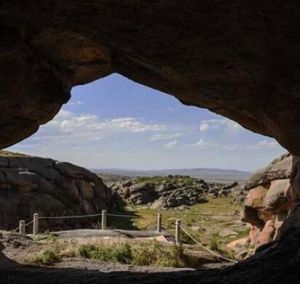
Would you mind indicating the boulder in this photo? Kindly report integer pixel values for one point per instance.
(268, 201)
(279, 168)
(238, 245)
(50, 188)
(276, 199)
(142, 193)
(267, 233)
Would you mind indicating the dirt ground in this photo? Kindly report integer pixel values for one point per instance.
(14, 269)
(278, 263)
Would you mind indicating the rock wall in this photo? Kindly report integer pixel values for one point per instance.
(237, 58)
(50, 188)
(268, 201)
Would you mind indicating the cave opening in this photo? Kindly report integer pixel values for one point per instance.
(114, 122)
(116, 127)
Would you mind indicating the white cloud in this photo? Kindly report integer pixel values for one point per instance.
(266, 144)
(160, 137)
(199, 143)
(212, 124)
(69, 128)
(76, 103)
(171, 144)
(260, 145)
(67, 121)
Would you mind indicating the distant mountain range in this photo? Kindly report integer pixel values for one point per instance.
(205, 173)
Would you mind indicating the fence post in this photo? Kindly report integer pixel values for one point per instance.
(158, 222)
(35, 226)
(103, 220)
(177, 233)
(22, 227)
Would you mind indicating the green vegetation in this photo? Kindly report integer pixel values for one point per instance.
(144, 254)
(121, 252)
(218, 225)
(149, 253)
(175, 180)
(219, 214)
(46, 257)
(4, 153)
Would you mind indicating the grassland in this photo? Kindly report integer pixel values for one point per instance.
(218, 225)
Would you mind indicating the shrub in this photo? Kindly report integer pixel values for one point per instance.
(46, 257)
(214, 243)
(145, 254)
(116, 253)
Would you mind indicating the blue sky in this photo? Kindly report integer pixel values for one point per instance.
(117, 123)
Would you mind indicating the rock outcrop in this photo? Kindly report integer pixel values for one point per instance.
(50, 188)
(171, 191)
(268, 201)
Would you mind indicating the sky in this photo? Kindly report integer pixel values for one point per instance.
(116, 123)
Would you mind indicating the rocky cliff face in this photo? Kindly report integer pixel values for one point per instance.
(50, 188)
(268, 201)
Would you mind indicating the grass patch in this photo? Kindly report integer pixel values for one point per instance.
(203, 227)
(112, 253)
(144, 254)
(150, 253)
(47, 256)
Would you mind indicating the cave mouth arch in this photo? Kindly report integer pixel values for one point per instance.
(115, 101)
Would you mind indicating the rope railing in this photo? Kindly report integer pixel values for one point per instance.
(69, 217)
(15, 230)
(122, 216)
(21, 228)
(205, 248)
(210, 214)
(176, 232)
(103, 215)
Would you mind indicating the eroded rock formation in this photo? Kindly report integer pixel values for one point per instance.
(237, 58)
(269, 201)
(37, 185)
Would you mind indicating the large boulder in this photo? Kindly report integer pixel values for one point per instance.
(142, 193)
(276, 199)
(279, 168)
(268, 200)
(50, 188)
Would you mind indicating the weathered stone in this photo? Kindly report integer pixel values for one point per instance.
(267, 233)
(276, 198)
(254, 234)
(268, 203)
(280, 168)
(74, 171)
(210, 63)
(74, 191)
(237, 245)
(255, 197)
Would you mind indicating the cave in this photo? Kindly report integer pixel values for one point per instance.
(239, 59)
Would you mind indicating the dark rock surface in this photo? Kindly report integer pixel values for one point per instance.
(37, 185)
(237, 58)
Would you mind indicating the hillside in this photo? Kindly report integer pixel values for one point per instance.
(204, 173)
